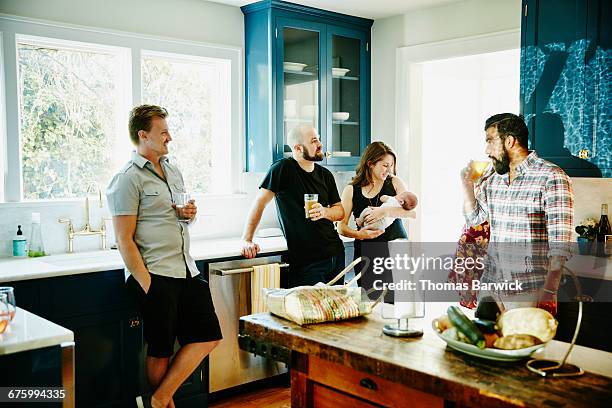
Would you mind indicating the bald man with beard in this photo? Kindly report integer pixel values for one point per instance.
(316, 253)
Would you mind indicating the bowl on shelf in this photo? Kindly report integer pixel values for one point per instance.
(341, 116)
(294, 66)
(339, 71)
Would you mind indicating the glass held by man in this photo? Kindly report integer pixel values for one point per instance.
(309, 201)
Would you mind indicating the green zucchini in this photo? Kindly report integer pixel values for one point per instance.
(465, 326)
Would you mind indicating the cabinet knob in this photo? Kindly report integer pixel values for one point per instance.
(583, 153)
(134, 322)
(328, 154)
(369, 384)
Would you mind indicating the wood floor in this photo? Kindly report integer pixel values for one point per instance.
(271, 397)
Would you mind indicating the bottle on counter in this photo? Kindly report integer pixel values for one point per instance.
(602, 231)
(19, 243)
(37, 247)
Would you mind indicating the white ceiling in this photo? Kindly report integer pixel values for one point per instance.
(373, 9)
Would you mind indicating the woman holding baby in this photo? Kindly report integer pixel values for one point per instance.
(377, 198)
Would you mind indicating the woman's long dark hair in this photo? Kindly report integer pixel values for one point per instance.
(374, 153)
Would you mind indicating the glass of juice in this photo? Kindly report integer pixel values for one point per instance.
(9, 294)
(4, 313)
(478, 168)
(309, 201)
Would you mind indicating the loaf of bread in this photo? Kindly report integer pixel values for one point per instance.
(528, 320)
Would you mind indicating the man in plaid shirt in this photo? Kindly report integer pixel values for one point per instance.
(529, 204)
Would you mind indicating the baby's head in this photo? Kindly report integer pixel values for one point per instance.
(407, 200)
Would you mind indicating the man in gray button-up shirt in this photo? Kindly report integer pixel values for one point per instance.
(153, 238)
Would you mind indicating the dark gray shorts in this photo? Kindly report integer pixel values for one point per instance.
(175, 308)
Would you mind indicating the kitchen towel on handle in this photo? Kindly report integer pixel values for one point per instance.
(263, 277)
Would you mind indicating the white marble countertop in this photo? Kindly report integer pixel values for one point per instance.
(29, 332)
(17, 269)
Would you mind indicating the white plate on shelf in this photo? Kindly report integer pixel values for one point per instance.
(487, 353)
(341, 116)
(341, 154)
(339, 71)
(294, 66)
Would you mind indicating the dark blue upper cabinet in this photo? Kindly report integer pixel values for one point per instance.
(306, 66)
(566, 85)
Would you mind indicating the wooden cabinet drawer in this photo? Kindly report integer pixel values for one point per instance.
(324, 397)
(368, 387)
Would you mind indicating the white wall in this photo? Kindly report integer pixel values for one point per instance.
(194, 20)
(457, 20)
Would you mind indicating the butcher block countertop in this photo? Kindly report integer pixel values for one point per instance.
(429, 367)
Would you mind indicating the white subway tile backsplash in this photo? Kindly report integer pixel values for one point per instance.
(589, 195)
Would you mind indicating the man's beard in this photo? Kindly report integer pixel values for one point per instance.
(318, 156)
(502, 166)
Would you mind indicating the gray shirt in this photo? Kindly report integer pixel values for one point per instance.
(163, 241)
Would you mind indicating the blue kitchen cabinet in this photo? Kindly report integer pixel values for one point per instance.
(566, 85)
(108, 335)
(40, 367)
(306, 66)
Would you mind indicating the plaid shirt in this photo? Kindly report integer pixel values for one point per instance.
(535, 213)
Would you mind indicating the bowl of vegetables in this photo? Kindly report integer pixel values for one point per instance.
(515, 335)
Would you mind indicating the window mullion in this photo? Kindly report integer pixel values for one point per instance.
(13, 177)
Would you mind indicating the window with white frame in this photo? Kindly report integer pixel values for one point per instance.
(67, 104)
(196, 93)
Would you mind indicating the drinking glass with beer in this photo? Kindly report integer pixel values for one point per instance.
(309, 201)
(478, 168)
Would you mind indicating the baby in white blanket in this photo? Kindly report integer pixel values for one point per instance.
(406, 200)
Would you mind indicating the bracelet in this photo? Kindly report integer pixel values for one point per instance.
(552, 292)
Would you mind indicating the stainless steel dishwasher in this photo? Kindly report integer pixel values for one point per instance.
(230, 286)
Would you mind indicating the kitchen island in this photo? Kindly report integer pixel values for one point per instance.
(352, 364)
(35, 352)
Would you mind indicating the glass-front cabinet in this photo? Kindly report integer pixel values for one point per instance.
(349, 114)
(299, 55)
(306, 66)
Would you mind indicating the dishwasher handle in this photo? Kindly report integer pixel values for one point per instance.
(226, 272)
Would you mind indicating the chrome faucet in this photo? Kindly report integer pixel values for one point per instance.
(87, 230)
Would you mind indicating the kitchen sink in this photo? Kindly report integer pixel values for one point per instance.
(83, 259)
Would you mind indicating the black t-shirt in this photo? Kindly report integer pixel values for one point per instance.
(308, 241)
(360, 202)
